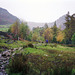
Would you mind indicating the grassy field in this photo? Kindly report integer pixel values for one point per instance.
(44, 59)
(4, 28)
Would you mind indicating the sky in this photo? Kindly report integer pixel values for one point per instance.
(39, 10)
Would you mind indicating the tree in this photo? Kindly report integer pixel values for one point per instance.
(55, 29)
(48, 34)
(15, 28)
(24, 30)
(73, 38)
(60, 36)
(46, 26)
(34, 37)
(20, 30)
(70, 27)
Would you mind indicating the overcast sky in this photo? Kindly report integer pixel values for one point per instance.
(39, 10)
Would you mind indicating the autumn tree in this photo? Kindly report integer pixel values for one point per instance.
(24, 30)
(60, 36)
(48, 34)
(20, 30)
(15, 28)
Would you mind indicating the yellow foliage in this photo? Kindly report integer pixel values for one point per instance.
(48, 34)
(60, 36)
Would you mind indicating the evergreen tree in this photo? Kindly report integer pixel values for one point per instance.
(73, 39)
(55, 29)
(70, 27)
(46, 26)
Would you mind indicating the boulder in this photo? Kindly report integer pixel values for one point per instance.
(6, 53)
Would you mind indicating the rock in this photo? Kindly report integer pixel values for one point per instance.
(1, 73)
(59, 55)
(0, 55)
(13, 54)
(45, 54)
(15, 49)
(20, 48)
(6, 53)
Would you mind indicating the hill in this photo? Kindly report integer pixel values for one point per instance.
(6, 17)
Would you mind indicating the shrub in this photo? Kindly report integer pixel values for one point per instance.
(25, 46)
(71, 45)
(73, 39)
(18, 64)
(30, 45)
(53, 45)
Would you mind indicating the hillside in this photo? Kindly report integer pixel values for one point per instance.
(60, 22)
(6, 17)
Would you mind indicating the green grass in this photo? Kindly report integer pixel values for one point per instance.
(34, 51)
(4, 28)
(59, 47)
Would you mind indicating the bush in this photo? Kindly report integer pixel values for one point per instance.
(53, 45)
(18, 64)
(25, 46)
(71, 45)
(73, 39)
(30, 45)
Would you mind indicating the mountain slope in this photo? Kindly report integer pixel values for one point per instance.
(59, 22)
(6, 17)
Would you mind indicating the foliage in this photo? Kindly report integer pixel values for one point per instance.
(18, 64)
(73, 39)
(55, 29)
(37, 34)
(23, 30)
(46, 26)
(60, 36)
(54, 39)
(30, 45)
(70, 27)
(34, 37)
(48, 34)
(20, 30)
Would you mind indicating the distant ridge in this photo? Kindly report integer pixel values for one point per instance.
(59, 22)
(6, 17)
